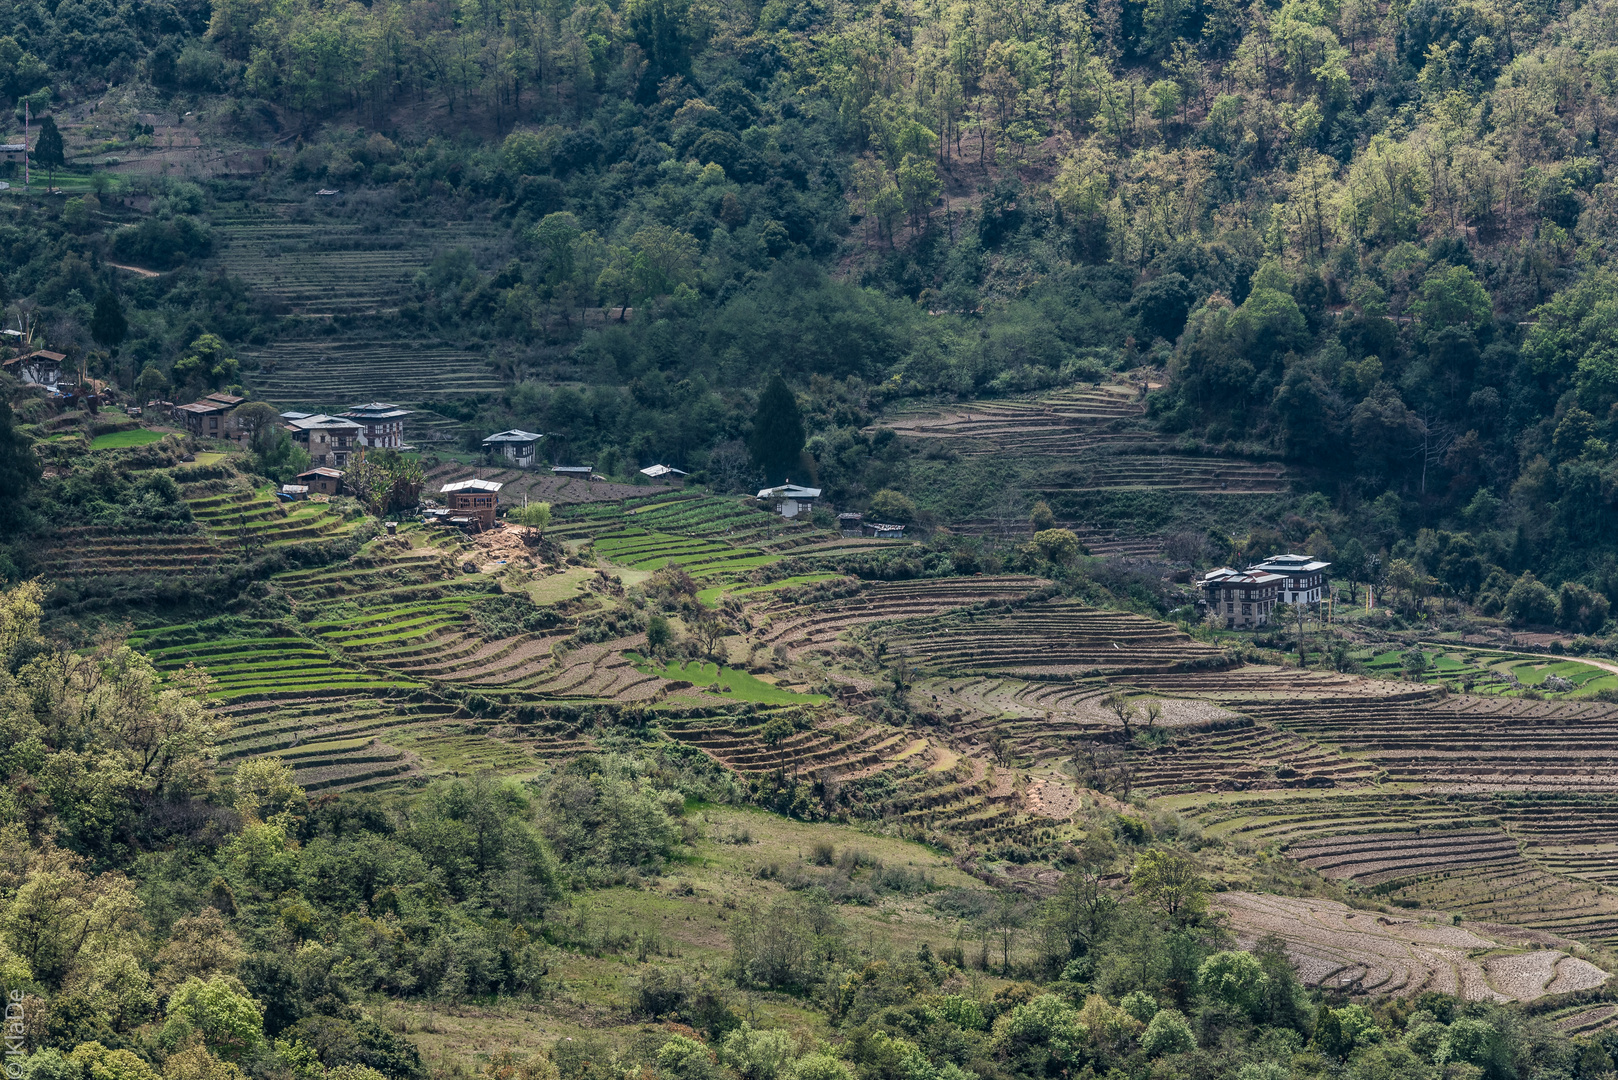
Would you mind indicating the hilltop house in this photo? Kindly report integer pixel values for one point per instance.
(849, 524)
(1305, 577)
(883, 532)
(576, 472)
(1243, 600)
(472, 503)
(211, 416)
(329, 439)
(38, 368)
(790, 499)
(516, 446)
(384, 424)
(666, 474)
(321, 481)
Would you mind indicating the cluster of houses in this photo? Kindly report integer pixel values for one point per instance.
(1245, 599)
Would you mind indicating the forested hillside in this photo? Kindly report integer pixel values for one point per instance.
(1371, 242)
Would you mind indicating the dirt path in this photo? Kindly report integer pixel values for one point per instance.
(142, 271)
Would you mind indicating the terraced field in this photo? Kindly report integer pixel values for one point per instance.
(1056, 638)
(1064, 424)
(1338, 947)
(249, 520)
(321, 264)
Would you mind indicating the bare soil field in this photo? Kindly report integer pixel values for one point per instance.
(1336, 946)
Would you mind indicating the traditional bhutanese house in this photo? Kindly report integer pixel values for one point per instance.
(471, 503)
(1242, 600)
(516, 446)
(663, 474)
(1305, 576)
(791, 499)
(884, 532)
(210, 417)
(383, 423)
(329, 439)
(38, 368)
(322, 481)
(576, 472)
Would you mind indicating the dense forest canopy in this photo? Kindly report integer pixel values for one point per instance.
(1371, 240)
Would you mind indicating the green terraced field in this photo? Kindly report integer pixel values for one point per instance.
(117, 440)
(1492, 672)
(739, 684)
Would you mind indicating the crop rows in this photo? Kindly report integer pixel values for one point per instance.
(1467, 742)
(256, 519)
(333, 373)
(90, 552)
(800, 626)
(1049, 639)
(1339, 947)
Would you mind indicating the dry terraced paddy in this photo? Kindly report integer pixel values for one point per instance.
(1056, 638)
(1465, 742)
(1338, 947)
(802, 624)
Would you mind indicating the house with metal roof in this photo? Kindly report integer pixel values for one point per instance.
(472, 503)
(383, 423)
(790, 499)
(329, 439)
(665, 473)
(516, 446)
(1305, 576)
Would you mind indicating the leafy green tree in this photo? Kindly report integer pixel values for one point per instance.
(659, 635)
(919, 186)
(1060, 546)
(536, 517)
(1452, 296)
(1236, 978)
(230, 1022)
(889, 506)
(206, 363)
(1170, 880)
(1530, 603)
(776, 442)
(1168, 1033)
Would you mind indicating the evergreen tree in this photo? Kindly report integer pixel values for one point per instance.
(777, 437)
(48, 148)
(108, 325)
(19, 469)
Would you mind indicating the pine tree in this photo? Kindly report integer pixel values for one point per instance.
(108, 325)
(777, 437)
(48, 148)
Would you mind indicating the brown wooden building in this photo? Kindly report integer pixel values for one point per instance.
(472, 503)
(322, 481)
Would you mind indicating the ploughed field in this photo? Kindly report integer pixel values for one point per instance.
(1337, 947)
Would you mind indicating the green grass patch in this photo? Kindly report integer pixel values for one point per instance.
(740, 685)
(712, 596)
(119, 440)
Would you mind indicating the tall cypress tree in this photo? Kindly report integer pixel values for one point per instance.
(108, 325)
(777, 438)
